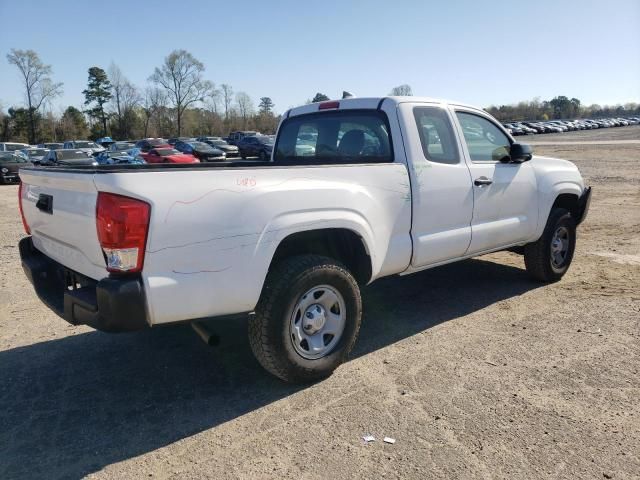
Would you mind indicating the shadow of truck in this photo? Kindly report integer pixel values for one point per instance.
(71, 406)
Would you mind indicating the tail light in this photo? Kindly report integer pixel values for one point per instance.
(122, 224)
(24, 220)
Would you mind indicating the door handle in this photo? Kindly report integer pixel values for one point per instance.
(481, 181)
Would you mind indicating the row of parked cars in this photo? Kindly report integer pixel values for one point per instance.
(239, 144)
(559, 126)
(106, 151)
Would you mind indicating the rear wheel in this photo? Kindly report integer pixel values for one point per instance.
(549, 258)
(307, 319)
(263, 155)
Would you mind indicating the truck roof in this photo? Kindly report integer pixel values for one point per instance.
(369, 103)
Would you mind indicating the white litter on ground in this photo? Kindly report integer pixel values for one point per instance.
(369, 438)
(389, 440)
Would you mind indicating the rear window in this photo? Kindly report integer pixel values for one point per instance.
(348, 136)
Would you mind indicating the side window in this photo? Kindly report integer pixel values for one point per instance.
(436, 135)
(485, 141)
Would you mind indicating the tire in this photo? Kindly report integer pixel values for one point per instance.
(243, 156)
(263, 156)
(541, 263)
(298, 281)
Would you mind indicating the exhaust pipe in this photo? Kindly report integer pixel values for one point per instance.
(207, 337)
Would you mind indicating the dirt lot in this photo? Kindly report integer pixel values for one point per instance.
(475, 370)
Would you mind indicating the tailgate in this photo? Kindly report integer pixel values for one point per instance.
(60, 209)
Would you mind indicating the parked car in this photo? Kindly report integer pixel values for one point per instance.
(202, 151)
(121, 146)
(514, 129)
(34, 154)
(553, 128)
(12, 146)
(10, 163)
(235, 137)
(67, 156)
(259, 146)
(148, 143)
(167, 154)
(525, 129)
(130, 156)
(86, 146)
(51, 146)
(231, 151)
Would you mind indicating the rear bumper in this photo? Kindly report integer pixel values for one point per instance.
(583, 205)
(111, 304)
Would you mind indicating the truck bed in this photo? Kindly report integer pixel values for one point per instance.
(212, 234)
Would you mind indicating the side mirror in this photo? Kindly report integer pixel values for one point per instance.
(520, 152)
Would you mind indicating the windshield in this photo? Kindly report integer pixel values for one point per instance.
(70, 155)
(156, 141)
(164, 152)
(335, 137)
(7, 157)
(216, 143)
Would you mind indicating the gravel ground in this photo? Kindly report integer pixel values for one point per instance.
(475, 370)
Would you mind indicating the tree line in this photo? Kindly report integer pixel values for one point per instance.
(560, 107)
(179, 100)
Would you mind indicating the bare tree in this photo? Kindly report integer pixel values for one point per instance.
(153, 100)
(213, 99)
(39, 87)
(125, 97)
(227, 98)
(401, 91)
(181, 77)
(245, 107)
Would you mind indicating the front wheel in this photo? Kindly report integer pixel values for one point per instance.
(307, 319)
(549, 258)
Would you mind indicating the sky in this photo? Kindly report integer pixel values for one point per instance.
(477, 51)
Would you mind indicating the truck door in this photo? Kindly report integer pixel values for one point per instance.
(505, 194)
(442, 196)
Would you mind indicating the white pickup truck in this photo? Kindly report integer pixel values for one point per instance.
(355, 190)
